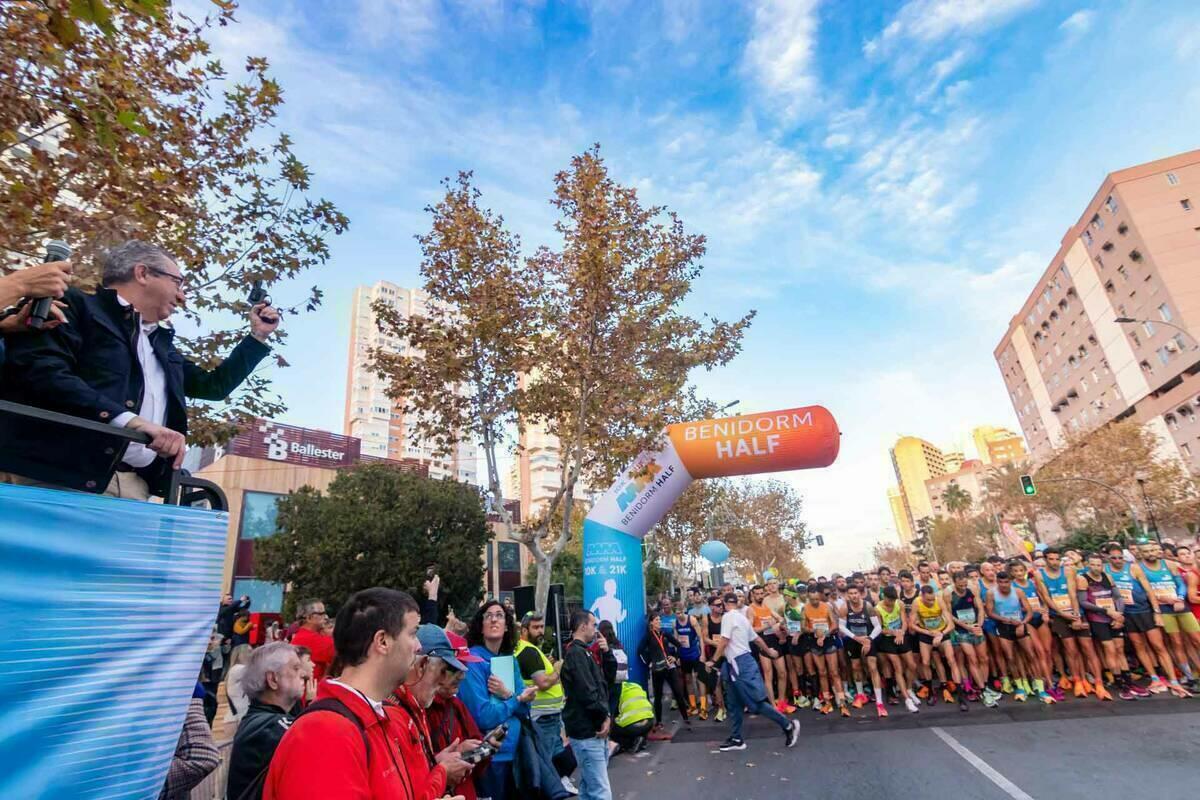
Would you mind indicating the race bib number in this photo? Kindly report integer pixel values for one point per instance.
(1062, 602)
(1106, 603)
(1164, 591)
(1035, 602)
(684, 640)
(932, 623)
(793, 626)
(966, 615)
(1126, 595)
(820, 628)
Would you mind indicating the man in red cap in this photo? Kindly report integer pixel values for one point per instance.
(448, 718)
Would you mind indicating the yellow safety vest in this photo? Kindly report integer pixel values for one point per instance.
(634, 706)
(549, 701)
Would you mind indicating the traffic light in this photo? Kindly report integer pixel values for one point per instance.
(1027, 485)
(820, 540)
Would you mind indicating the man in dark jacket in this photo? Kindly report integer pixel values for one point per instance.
(273, 682)
(114, 362)
(585, 715)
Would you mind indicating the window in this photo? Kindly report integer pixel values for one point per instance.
(1110, 288)
(1186, 204)
(1164, 355)
(259, 512)
(1133, 337)
(1106, 246)
(1164, 312)
(1178, 340)
(1083, 384)
(1172, 179)
(1124, 273)
(1148, 327)
(1135, 255)
(1097, 223)
(1092, 340)
(1111, 205)
(1172, 421)
(1145, 365)
(1122, 229)
(1186, 449)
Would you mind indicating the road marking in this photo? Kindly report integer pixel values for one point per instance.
(1010, 788)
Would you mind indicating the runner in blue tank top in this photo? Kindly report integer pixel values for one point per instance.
(1056, 586)
(1010, 609)
(1169, 594)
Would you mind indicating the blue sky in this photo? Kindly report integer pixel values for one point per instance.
(882, 181)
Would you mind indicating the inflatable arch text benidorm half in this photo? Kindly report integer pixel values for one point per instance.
(613, 585)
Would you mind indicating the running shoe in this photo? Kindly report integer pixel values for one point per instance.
(703, 713)
(922, 691)
(1046, 697)
(881, 710)
(1088, 688)
(1102, 693)
(1019, 695)
(893, 700)
(932, 699)
(827, 707)
(845, 709)
(780, 706)
(1006, 686)
(693, 711)
(1157, 686)
(569, 786)
(1081, 688)
(911, 706)
(732, 744)
(802, 701)
(1138, 691)
(1108, 676)
(791, 737)
(1126, 693)
(948, 696)
(659, 734)
(720, 715)
(788, 708)
(1064, 683)
(860, 700)
(1178, 690)
(991, 697)
(1058, 694)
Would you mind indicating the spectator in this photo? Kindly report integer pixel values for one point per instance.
(659, 652)
(310, 684)
(195, 754)
(616, 667)
(491, 703)
(432, 774)
(235, 693)
(310, 636)
(243, 628)
(228, 612)
(537, 670)
(273, 682)
(585, 715)
(344, 746)
(429, 606)
(455, 625)
(44, 280)
(88, 368)
(212, 670)
(449, 720)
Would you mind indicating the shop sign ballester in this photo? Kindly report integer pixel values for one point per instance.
(303, 446)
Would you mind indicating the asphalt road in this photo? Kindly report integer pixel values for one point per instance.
(1082, 749)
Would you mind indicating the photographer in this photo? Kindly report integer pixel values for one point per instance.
(115, 362)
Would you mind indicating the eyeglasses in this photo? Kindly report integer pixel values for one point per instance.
(318, 613)
(176, 279)
(494, 616)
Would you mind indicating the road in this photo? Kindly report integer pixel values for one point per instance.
(1082, 749)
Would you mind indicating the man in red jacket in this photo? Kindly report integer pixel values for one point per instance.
(449, 721)
(312, 620)
(344, 746)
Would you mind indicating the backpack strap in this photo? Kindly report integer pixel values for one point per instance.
(332, 704)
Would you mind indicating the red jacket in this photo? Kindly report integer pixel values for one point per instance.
(428, 777)
(322, 757)
(321, 647)
(449, 721)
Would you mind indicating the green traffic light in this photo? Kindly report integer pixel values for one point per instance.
(1027, 486)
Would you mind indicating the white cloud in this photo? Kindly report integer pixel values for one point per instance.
(930, 21)
(835, 141)
(1078, 24)
(942, 70)
(780, 53)
(409, 27)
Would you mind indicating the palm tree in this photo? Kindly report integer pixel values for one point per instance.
(957, 499)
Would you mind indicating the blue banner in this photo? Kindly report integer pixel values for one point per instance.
(613, 586)
(108, 607)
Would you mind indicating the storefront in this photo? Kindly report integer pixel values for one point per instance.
(267, 461)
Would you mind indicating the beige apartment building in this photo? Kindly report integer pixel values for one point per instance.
(915, 461)
(1134, 254)
(374, 418)
(969, 477)
(996, 446)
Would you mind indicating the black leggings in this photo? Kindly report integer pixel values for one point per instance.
(672, 678)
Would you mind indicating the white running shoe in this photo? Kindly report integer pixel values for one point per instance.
(911, 706)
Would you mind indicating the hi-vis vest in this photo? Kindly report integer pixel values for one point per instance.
(550, 701)
(634, 706)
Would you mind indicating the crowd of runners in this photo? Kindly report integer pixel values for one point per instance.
(1115, 623)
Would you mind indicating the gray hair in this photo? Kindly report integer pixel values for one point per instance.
(118, 262)
(270, 658)
(309, 606)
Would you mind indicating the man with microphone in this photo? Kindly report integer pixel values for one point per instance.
(114, 361)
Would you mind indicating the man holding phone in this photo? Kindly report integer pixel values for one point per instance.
(585, 715)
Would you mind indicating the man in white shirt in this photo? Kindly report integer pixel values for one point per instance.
(114, 362)
(743, 682)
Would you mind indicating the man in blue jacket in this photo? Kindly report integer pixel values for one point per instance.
(114, 362)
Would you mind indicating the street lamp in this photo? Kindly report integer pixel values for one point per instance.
(1185, 331)
(728, 406)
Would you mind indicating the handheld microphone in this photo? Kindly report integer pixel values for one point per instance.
(56, 250)
(259, 295)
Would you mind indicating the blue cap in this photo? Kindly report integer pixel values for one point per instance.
(435, 643)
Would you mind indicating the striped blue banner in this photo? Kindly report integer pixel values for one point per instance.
(108, 605)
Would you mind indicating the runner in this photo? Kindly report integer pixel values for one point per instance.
(793, 617)
(687, 631)
(1055, 583)
(966, 611)
(820, 622)
(998, 677)
(908, 596)
(774, 600)
(931, 619)
(925, 576)
(861, 627)
(1170, 593)
(1191, 584)
(1102, 606)
(891, 644)
(1010, 608)
(1141, 624)
(710, 626)
(764, 621)
(1043, 640)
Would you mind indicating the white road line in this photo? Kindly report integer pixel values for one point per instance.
(1010, 788)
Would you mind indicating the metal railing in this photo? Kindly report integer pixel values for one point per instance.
(184, 490)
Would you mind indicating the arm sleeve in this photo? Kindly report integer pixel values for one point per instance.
(488, 711)
(195, 755)
(1081, 596)
(876, 627)
(219, 382)
(581, 685)
(842, 627)
(333, 744)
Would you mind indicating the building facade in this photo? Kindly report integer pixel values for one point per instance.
(374, 418)
(996, 446)
(969, 477)
(899, 515)
(1134, 254)
(915, 461)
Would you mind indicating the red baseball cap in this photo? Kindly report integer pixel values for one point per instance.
(461, 651)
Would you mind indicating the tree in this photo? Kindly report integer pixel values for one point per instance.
(766, 529)
(963, 538)
(470, 348)
(889, 554)
(692, 521)
(378, 526)
(958, 500)
(115, 123)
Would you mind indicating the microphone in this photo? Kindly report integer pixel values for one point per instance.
(56, 250)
